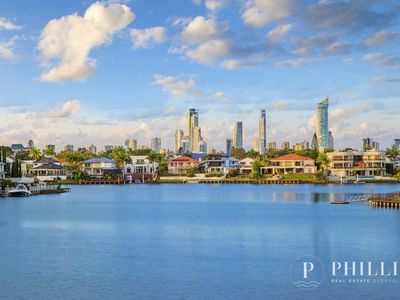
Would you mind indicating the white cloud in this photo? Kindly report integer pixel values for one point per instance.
(70, 39)
(174, 86)
(279, 32)
(376, 39)
(214, 5)
(259, 13)
(7, 49)
(201, 29)
(209, 51)
(8, 25)
(146, 38)
(68, 109)
(295, 63)
(372, 56)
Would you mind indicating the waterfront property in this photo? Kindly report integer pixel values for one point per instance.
(49, 172)
(246, 165)
(357, 163)
(290, 163)
(141, 169)
(47, 169)
(225, 165)
(181, 164)
(99, 167)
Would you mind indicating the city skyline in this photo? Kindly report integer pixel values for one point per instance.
(150, 64)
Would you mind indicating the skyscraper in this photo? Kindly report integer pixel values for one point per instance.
(192, 123)
(186, 144)
(255, 144)
(178, 139)
(238, 135)
(203, 147)
(396, 143)
(196, 139)
(262, 132)
(156, 144)
(331, 141)
(31, 144)
(229, 145)
(322, 125)
(132, 144)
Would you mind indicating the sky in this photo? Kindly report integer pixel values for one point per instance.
(82, 72)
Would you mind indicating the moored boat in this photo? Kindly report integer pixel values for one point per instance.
(20, 191)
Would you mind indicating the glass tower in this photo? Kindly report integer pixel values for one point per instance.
(238, 135)
(322, 125)
(262, 132)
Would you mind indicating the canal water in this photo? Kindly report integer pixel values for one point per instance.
(192, 241)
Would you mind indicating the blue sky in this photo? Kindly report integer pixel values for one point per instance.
(86, 72)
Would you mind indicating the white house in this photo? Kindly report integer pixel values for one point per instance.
(246, 165)
(140, 165)
(290, 163)
(48, 169)
(225, 165)
(98, 167)
(141, 169)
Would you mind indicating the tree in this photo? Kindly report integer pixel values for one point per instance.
(314, 143)
(35, 154)
(50, 152)
(238, 153)
(323, 161)
(256, 169)
(120, 156)
(252, 154)
(393, 153)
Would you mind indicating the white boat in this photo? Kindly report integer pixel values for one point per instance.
(20, 191)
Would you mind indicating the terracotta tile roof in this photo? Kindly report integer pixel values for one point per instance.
(182, 159)
(292, 157)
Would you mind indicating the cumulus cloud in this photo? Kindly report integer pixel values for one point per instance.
(179, 88)
(201, 29)
(67, 110)
(259, 13)
(209, 51)
(65, 43)
(8, 25)
(279, 32)
(7, 49)
(174, 86)
(147, 38)
(376, 39)
(215, 5)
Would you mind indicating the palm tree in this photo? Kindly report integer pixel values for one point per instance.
(35, 153)
(323, 161)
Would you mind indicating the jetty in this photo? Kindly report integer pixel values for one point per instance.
(391, 200)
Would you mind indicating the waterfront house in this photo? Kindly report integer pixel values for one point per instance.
(2, 172)
(45, 169)
(290, 163)
(181, 164)
(48, 172)
(100, 167)
(224, 165)
(246, 165)
(141, 169)
(357, 163)
(219, 163)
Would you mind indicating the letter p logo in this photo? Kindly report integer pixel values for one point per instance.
(307, 267)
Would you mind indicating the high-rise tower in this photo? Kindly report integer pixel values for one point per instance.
(262, 132)
(322, 124)
(192, 123)
(238, 135)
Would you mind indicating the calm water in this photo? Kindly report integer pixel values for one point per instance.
(189, 242)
